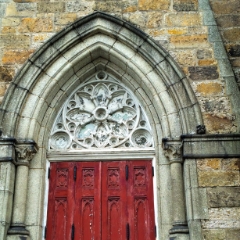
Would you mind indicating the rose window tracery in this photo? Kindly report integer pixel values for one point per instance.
(101, 113)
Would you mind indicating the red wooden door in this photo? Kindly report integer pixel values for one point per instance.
(101, 201)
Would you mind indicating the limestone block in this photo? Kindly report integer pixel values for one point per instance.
(192, 41)
(223, 197)
(65, 18)
(223, 218)
(218, 178)
(214, 234)
(108, 6)
(231, 35)
(185, 5)
(209, 164)
(10, 22)
(183, 19)
(223, 7)
(204, 53)
(217, 124)
(233, 50)
(11, 40)
(41, 24)
(6, 74)
(209, 89)
(153, 4)
(203, 73)
(16, 56)
(51, 7)
(154, 19)
(233, 234)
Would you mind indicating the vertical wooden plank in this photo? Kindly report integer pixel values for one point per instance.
(60, 201)
(114, 209)
(140, 200)
(87, 216)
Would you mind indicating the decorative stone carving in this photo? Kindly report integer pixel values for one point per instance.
(25, 152)
(173, 150)
(101, 113)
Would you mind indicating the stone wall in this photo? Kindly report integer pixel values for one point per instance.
(222, 180)
(177, 25)
(227, 14)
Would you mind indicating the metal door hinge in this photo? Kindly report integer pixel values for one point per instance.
(126, 172)
(127, 231)
(45, 233)
(75, 173)
(48, 172)
(73, 232)
(155, 229)
(153, 171)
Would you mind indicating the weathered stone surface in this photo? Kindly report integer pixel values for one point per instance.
(185, 57)
(225, 21)
(233, 234)
(10, 22)
(224, 218)
(65, 18)
(218, 178)
(214, 234)
(154, 19)
(206, 62)
(225, 7)
(209, 164)
(231, 35)
(203, 73)
(233, 50)
(216, 106)
(75, 6)
(3, 88)
(185, 5)
(188, 41)
(50, 7)
(16, 56)
(204, 53)
(15, 41)
(223, 197)
(153, 4)
(108, 6)
(211, 88)
(183, 19)
(36, 25)
(217, 124)
(6, 74)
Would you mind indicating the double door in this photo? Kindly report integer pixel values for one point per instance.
(108, 200)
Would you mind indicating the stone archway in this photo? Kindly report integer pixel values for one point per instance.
(96, 42)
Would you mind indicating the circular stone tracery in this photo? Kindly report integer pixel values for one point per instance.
(101, 113)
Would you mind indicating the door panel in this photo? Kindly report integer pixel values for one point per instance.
(87, 219)
(102, 200)
(61, 202)
(113, 200)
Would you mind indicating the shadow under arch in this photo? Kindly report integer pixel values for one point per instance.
(99, 42)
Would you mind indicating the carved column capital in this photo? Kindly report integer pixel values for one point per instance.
(25, 150)
(173, 150)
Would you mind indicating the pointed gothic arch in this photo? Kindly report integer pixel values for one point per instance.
(98, 42)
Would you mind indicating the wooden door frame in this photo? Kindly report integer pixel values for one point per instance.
(103, 155)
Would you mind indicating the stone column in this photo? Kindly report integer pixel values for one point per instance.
(25, 152)
(172, 151)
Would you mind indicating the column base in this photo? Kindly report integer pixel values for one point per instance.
(179, 231)
(16, 230)
(179, 228)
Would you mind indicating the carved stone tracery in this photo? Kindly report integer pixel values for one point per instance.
(101, 113)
